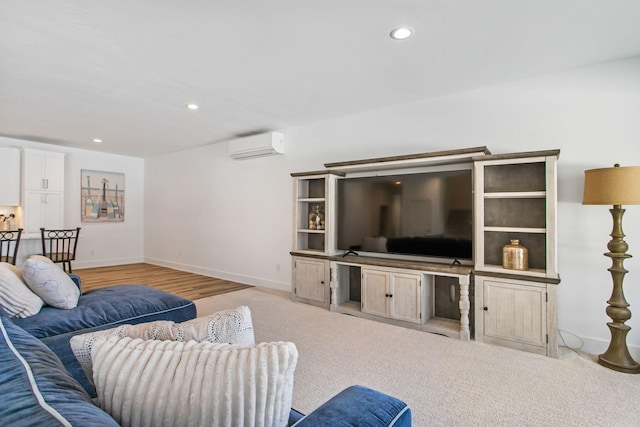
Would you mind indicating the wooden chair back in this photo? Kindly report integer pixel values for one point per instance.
(60, 245)
(9, 242)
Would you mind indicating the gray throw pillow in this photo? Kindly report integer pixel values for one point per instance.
(50, 282)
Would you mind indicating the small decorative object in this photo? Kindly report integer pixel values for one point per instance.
(515, 256)
(316, 218)
(320, 219)
(11, 222)
(313, 216)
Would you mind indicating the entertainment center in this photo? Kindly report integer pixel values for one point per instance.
(417, 241)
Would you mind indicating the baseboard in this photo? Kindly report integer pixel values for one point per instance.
(105, 262)
(592, 345)
(247, 280)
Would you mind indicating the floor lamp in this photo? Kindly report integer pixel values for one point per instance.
(615, 186)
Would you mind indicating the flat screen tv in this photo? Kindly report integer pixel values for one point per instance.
(424, 215)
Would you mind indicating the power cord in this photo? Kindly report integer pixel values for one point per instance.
(564, 343)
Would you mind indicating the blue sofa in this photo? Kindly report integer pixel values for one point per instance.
(102, 309)
(41, 382)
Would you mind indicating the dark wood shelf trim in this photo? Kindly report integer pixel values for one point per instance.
(433, 154)
(545, 153)
(517, 277)
(322, 172)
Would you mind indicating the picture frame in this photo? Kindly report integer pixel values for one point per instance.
(102, 196)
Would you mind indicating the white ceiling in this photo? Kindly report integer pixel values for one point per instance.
(123, 70)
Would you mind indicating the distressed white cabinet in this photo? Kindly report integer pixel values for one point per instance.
(313, 236)
(393, 295)
(515, 199)
(517, 313)
(10, 167)
(42, 189)
(314, 214)
(310, 281)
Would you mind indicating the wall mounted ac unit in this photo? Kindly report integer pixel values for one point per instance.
(264, 144)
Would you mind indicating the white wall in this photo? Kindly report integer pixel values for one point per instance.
(226, 218)
(100, 243)
(232, 219)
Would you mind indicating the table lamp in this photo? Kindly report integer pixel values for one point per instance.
(615, 186)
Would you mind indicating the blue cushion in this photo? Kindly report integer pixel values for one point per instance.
(35, 388)
(359, 406)
(109, 307)
(103, 309)
(294, 416)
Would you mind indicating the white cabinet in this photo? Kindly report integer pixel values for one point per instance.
(314, 215)
(393, 295)
(10, 167)
(516, 313)
(43, 170)
(310, 281)
(375, 292)
(42, 189)
(516, 199)
(43, 209)
(313, 236)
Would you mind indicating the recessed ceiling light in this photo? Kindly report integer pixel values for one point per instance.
(192, 106)
(96, 140)
(401, 33)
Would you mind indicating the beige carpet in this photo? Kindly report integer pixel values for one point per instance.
(446, 382)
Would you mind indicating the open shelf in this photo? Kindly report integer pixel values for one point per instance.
(516, 195)
(515, 230)
(435, 325)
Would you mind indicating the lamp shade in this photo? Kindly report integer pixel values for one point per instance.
(612, 186)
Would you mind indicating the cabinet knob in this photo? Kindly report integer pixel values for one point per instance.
(486, 309)
(322, 282)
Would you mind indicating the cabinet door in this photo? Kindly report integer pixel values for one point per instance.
(33, 169)
(43, 170)
(10, 167)
(515, 312)
(310, 280)
(406, 299)
(33, 206)
(42, 209)
(53, 210)
(54, 171)
(375, 292)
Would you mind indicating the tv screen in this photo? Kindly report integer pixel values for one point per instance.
(419, 214)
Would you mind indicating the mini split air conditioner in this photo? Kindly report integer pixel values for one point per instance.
(264, 144)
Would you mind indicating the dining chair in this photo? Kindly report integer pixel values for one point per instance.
(60, 245)
(9, 242)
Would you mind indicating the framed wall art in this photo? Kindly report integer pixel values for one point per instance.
(102, 196)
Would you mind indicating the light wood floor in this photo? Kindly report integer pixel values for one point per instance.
(187, 285)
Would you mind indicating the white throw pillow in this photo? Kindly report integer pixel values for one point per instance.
(172, 383)
(229, 326)
(50, 283)
(16, 299)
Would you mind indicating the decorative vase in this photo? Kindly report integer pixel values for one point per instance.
(316, 218)
(515, 256)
